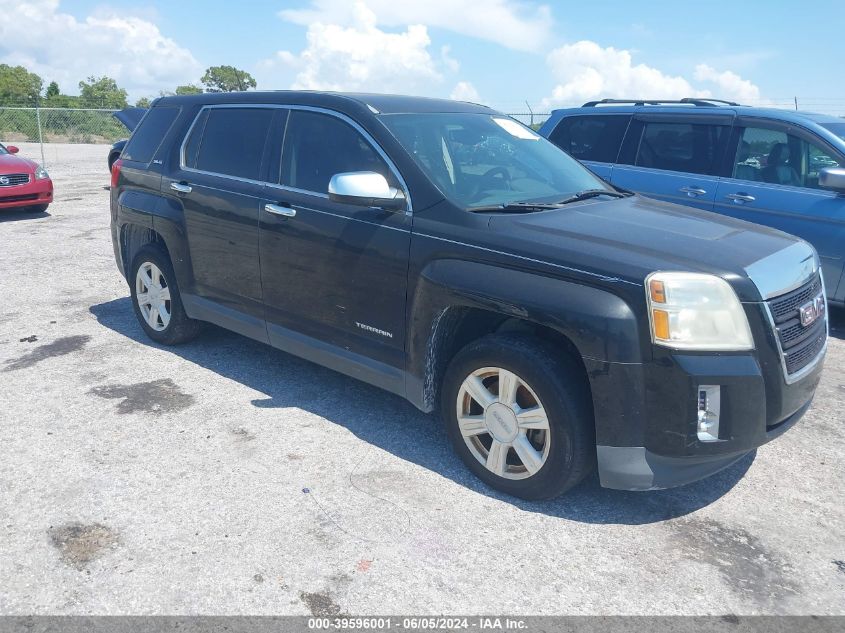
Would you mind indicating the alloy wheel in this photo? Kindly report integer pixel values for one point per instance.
(153, 296)
(503, 423)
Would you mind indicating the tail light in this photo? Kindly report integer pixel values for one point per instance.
(115, 172)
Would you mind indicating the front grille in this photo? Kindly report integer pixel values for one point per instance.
(799, 358)
(13, 180)
(800, 345)
(30, 196)
(786, 306)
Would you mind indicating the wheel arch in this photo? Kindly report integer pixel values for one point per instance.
(456, 302)
(162, 223)
(133, 237)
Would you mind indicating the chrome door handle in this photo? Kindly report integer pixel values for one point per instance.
(275, 209)
(740, 198)
(693, 191)
(179, 187)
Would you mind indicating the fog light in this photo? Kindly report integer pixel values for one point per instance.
(709, 408)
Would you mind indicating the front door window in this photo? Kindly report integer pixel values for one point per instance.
(778, 158)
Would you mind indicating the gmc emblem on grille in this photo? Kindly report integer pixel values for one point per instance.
(4, 180)
(810, 312)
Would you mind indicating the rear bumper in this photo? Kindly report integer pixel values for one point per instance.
(36, 192)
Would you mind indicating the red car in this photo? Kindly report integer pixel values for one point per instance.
(23, 182)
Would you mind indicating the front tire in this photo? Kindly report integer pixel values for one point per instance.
(156, 300)
(38, 208)
(519, 415)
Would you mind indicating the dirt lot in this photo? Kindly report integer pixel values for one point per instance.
(225, 477)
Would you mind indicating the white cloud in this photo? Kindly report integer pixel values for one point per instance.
(282, 59)
(520, 25)
(450, 62)
(585, 70)
(58, 47)
(465, 91)
(361, 56)
(729, 84)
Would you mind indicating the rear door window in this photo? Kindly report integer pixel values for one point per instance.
(684, 147)
(596, 138)
(149, 134)
(317, 146)
(233, 141)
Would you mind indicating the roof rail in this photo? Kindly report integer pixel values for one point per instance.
(708, 102)
(701, 102)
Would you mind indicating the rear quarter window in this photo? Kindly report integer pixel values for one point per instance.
(595, 138)
(150, 133)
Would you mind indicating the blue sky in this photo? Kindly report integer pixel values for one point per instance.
(501, 52)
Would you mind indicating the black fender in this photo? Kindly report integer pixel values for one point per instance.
(601, 325)
(148, 217)
(169, 223)
(131, 225)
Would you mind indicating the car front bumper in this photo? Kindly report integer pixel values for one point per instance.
(33, 193)
(637, 468)
(655, 443)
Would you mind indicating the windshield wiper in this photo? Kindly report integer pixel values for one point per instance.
(593, 193)
(527, 207)
(516, 207)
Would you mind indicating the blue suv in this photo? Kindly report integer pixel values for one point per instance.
(774, 167)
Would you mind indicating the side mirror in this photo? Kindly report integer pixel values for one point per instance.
(365, 188)
(12, 149)
(833, 178)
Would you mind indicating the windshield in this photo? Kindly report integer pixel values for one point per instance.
(479, 160)
(836, 128)
(3, 150)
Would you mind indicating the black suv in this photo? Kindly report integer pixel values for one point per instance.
(447, 253)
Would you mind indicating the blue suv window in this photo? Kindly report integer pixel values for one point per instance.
(595, 138)
(779, 158)
(686, 147)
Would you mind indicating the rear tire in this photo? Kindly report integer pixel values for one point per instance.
(156, 300)
(535, 439)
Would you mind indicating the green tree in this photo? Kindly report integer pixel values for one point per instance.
(227, 79)
(102, 92)
(188, 89)
(18, 85)
(143, 102)
(65, 101)
(52, 90)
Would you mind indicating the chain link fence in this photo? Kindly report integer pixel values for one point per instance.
(59, 125)
(96, 125)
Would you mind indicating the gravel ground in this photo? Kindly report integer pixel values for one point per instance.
(224, 477)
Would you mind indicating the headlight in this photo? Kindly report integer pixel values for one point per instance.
(695, 311)
(41, 173)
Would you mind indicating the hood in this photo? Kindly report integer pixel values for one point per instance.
(14, 164)
(130, 117)
(630, 238)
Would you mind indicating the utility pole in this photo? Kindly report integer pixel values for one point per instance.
(530, 112)
(796, 103)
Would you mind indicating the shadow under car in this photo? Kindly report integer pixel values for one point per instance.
(394, 425)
